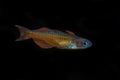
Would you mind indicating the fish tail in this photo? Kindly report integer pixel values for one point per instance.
(23, 33)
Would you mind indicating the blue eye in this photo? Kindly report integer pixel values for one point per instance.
(84, 43)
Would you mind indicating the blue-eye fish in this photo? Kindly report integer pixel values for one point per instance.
(49, 38)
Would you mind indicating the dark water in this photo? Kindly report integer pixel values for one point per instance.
(94, 20)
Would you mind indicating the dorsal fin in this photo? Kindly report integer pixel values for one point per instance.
(70, 32)
(42, 29)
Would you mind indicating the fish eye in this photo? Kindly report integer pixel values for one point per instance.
(85, 43)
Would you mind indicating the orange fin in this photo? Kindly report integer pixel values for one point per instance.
(42, 29)
(70, 32)
(43, 44)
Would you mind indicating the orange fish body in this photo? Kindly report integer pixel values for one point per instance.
(48, 38)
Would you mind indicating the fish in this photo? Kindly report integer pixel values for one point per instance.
(47, 38)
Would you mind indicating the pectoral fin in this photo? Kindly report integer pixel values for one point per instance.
(43, 44)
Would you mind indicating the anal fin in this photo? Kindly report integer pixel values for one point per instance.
(43, 44)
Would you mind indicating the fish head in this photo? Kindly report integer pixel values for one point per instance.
(78, 44)
(82, 43)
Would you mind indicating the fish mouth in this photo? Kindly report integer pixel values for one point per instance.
(90, 44)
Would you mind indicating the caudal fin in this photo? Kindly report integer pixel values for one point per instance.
(23, 33)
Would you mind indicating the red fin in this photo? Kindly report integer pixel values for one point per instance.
(42, 44)
(42, 29)
(70, 32)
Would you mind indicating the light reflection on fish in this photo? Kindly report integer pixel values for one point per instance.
(49, 38)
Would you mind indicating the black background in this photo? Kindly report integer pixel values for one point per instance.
(95, 20)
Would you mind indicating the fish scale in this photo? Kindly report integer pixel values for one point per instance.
(50, 34)
(59, 37)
